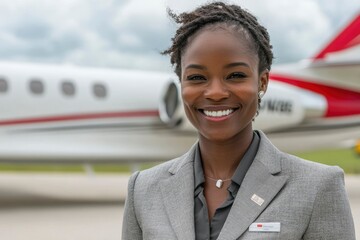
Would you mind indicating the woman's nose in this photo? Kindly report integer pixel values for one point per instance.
(216, 90)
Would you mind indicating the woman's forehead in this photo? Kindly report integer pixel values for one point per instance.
(218, 48)
(225, 28)
(220, 36)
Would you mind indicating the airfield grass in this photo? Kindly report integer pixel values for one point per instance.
(347, 159)
(54, 168)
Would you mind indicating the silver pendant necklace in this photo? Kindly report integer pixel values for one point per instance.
(219, 182)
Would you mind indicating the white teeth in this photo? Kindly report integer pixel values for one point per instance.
(218, 113)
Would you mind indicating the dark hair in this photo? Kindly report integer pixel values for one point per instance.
(219, 13)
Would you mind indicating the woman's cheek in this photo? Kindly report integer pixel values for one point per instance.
(188, 94)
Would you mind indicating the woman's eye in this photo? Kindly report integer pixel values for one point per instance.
(236, 75)
(195, 77)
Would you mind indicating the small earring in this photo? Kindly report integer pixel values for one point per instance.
(261, 94)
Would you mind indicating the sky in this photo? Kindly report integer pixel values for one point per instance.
(131, 33)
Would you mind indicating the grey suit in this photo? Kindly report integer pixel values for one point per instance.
(308, 199)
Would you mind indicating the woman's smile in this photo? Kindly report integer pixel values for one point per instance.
(216, 113)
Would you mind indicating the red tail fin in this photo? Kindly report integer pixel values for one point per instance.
(348, 37)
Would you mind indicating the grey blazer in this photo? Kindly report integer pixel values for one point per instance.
(307, 199)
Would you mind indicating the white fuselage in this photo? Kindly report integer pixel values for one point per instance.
(72, 96)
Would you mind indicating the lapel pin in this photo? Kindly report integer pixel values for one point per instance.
(258, 200)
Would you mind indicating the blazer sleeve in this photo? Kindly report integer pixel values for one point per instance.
(131, 229)
(331, 217)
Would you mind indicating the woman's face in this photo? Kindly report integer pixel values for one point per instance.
(220, 84)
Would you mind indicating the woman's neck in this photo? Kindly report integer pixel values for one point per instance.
(220, 159)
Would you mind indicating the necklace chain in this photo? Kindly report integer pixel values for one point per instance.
(219, 182)
(224, 180)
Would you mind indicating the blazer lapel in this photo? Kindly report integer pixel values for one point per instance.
(178, 196)
(257, 190)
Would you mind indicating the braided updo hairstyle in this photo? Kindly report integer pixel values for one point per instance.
(219, 13)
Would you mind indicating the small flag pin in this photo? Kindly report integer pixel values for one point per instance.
(258, 200)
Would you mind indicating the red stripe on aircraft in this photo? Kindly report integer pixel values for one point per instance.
(88, 116)
(341, 102)
(347, 38)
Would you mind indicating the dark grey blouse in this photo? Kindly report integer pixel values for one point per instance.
(205, 230)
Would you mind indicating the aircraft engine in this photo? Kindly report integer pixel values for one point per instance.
(171, 108)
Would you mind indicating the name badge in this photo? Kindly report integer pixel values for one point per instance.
(265, 227)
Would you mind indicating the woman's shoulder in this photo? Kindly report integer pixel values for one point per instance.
(168, 168)
(311, 171)
(306, 164)
(151, 177)
(293, 165)
(161, 170)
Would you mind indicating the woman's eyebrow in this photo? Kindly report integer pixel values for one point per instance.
(196, 66)
(230, 65)
(236, 64)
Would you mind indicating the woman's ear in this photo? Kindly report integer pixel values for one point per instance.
(264, 80)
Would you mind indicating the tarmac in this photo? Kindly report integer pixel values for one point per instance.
(79, 206)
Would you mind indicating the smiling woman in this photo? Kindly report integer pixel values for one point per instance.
(233, 183)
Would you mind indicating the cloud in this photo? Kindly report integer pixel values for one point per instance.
(293, 31)
(130, 34)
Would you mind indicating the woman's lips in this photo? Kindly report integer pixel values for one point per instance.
(218, 114)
